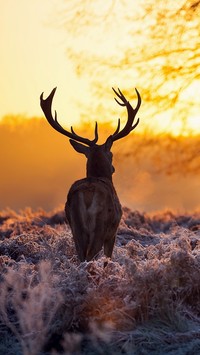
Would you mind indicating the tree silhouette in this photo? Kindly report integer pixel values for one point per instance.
(153, 46)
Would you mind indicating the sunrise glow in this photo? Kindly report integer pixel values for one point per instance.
(84, 49)
(35, 58)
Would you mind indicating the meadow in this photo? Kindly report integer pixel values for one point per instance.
(146, 301)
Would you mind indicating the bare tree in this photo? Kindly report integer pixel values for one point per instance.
(154, 46)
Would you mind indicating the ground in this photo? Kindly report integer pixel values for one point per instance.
(145, 301)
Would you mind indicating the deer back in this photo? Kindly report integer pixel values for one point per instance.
(93, 211)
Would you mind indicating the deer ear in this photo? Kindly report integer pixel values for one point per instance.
(80, 148)
(109, 143)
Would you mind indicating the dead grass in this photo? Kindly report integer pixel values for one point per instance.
(146, 301)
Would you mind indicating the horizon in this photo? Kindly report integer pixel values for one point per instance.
(39, 165)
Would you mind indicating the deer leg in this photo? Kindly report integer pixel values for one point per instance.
(108, 249)
(80, 237)
(80, 241)
(108, 246)
(95, 245)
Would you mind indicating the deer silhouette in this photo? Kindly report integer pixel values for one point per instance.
(93, 209)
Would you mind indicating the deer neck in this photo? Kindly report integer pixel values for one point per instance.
(98, 174)
(99, 163)
(98, 170)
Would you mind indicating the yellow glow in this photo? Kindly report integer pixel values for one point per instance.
(194, 124)
(34, 59)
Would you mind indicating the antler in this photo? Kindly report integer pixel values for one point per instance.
(46, 107)
(131, 115)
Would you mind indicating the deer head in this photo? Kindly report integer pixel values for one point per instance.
(99, 157)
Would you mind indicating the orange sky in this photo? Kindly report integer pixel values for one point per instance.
(38, 166)
(35, 57)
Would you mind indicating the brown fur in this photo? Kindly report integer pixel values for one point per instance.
(94, 212)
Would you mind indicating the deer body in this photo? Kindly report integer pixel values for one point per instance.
(94, 212)
(93, 209)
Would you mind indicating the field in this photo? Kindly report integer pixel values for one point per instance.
(146, 301)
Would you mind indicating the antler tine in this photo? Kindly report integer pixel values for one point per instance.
(118, 127)
(72, 130)
(95, 133)
(131, 115)
(46, 107)
(139, 100)
(135, 125)
(121, 96)
(125, 101)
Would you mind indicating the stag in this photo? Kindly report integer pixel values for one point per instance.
(93, 209)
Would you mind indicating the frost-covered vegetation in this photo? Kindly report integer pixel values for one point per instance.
(145, 301)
